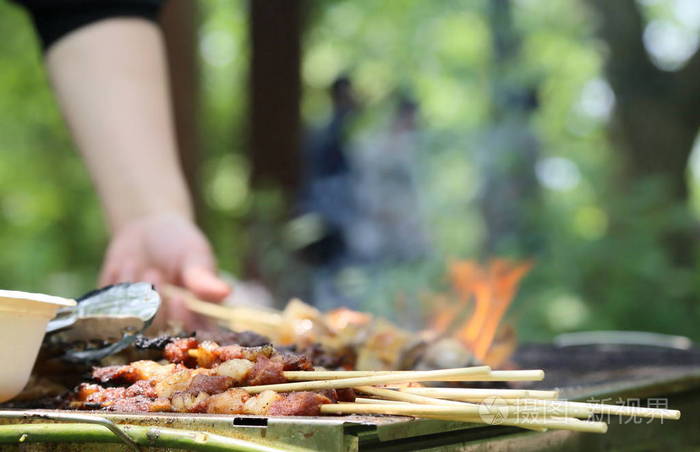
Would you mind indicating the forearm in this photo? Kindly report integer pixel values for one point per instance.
(110, 80)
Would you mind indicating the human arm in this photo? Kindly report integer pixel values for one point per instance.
(110, 80)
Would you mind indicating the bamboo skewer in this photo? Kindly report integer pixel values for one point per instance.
(540, 398)
(369, 401)
(365, 401)
(393, 395)
(531, 409)
(407, 409)
(271, 319)
(264, 322)
(305, 375)
(438, 401)
(513, 375)
(618, 410)
(516, 404)
(525, 409)
(472, 394)
(466, 410)
(316, 385)
(466, 414)
(494, 375)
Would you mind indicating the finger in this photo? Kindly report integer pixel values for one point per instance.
(153, 276)
(203, 283)
(107, 276)
(199, 277)
(127, 272)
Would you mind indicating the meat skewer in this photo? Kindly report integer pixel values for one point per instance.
(203, 377)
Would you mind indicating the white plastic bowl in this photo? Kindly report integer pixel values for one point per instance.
(23, 319)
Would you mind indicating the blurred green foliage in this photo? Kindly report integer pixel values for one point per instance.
(52, 235)
(51, 231)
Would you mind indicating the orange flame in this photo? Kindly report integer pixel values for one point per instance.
(489, 289)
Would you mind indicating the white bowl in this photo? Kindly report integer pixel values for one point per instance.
(23, 319)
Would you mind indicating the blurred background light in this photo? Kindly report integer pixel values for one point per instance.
(218, 47)
(557, 173)
(669, 44)
(597, 99)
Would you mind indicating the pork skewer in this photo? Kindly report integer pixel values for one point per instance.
(207, 378)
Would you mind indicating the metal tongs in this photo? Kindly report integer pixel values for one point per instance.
(112, 316)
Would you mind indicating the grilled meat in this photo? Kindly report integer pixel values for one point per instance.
(203, 377)
(204, 394)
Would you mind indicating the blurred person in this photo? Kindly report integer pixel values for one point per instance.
(106, 63)
(327, 205)
(389, 224)
(389, 236)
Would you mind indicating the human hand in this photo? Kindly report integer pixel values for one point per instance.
(165, 249)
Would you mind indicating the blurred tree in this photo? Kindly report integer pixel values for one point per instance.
(656, 120)
(510, 193)
(275, 86)
(274, 134)
(51, 231)
(180, 21)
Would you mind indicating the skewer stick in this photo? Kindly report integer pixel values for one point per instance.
(391, 394)
(466, 410)
(369, 401)
(600, 408)
(471, 394)
(494, 375)
(464, 414)
(516, 401)
(387, 397)
(373, 401)
(405, 409)
(542, 398)
(516, 405)
(236, 314)
(306, 375)
(513, 375)
(363, 381)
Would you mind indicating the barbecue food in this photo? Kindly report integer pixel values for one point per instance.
(203, 377)
(341, 338)
(204, 396)
(468, 315)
